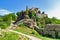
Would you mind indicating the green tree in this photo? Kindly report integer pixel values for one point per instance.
(7, 19)
(48, 21)
(55, 20)
(1, 19)
(18, 14)
(13, 16)
(32, 14)
(27, 10)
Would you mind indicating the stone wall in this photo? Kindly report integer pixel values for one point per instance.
(52, 27)
(52, 30)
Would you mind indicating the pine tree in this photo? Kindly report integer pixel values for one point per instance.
(27, 10)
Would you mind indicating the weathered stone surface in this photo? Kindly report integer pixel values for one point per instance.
(52, 33)
(48, 32)
(49, 27)
(59, 34)
(45, 32)
(30, 23)
(41, 15)
(40, 31)
(52, 27)
(57, 28)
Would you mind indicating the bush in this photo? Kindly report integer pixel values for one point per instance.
(1, 19)
(5, 21)
(3, 26)
(32, 32)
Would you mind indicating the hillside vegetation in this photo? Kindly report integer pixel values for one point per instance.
(24, 29)
(40, 19)
(6, 35)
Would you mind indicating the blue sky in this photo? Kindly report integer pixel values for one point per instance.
(51, 7)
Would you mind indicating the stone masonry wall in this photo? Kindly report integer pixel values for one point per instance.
(52, 30)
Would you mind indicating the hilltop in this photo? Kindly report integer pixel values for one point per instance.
(30, 21)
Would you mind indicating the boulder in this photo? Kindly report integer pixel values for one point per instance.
(30, 23)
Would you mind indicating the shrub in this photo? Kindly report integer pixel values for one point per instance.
(32, 32)
(3, 26)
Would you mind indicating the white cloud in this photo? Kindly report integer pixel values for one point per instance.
(55, 10)
(3, 12)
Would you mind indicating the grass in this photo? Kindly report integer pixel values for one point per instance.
(32, 32)
(11, 36)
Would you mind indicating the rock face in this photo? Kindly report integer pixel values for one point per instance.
(30, 23)
(25, 14)
(38, 12)
(41, 15)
